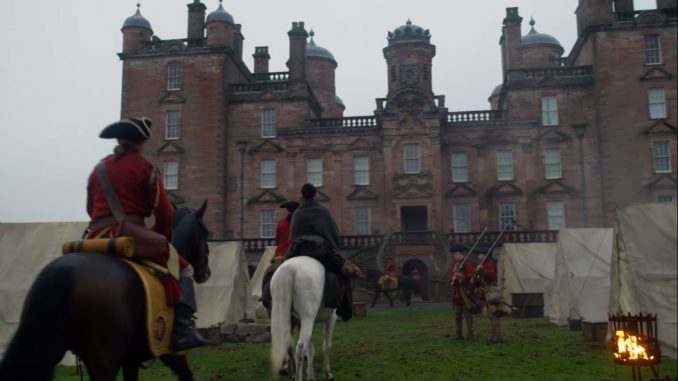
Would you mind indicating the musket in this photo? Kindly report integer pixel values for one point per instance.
(489, 251)
(465, 297)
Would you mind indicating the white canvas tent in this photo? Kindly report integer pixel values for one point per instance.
(257, 280)
(25, 248)
(644, 266)
(527, 268)
(581, 284)
(226, 296)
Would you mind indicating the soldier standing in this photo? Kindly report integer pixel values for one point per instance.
(461, 279)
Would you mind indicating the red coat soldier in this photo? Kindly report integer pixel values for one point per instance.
(461, 278)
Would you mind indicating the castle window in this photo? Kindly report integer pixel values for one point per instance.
(656, 99)
(425, 70)
(556, 215)
(361, 170)
(172, 124)
(314, 171)
(661, 152)
(653, 51)
(393, 73)
(505, 165)
(665, 198)
(269, 123)
(412, 164)
(171, 174)
(459, 167)
(552, 164)
(268, 174)
(461, 217)
(549, 111)
(507, 216)
(362, 220)
(174, 76)
(267, 223)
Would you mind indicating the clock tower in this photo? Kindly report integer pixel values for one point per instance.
(408, 56)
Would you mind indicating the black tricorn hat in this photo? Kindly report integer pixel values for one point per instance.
(133, 129)
(290, 205)
(457, 247)
(481, 249)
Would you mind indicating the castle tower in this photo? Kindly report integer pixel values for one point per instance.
(220, 28)
(408, 58)
(320, 69)
(540, 50)
(135, 30)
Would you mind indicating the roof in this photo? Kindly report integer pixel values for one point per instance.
(534, 37)
(409, 33)
(137, 21)
(219, 15)
(313, 50)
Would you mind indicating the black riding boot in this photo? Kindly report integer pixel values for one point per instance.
(185, 335)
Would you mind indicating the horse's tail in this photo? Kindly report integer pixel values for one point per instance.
(281, 311)
(41, 329)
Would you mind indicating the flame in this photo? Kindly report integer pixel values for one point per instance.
(629, 348)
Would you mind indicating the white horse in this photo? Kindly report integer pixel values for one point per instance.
(297, 288)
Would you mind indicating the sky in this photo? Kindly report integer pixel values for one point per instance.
(60, 76)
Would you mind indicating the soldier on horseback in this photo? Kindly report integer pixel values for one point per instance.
(136, 183)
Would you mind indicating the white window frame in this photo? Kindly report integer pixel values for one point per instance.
(267, 223)
(552, 164)
(459, 167)
(361, 170)
(507, 216)
(269, 123)
(171, 174)
(412, 158)
(361, 220)
(314, 171)
(555, 211)
(461, 217)
(174, 76)
(505, 165)
(172, 124)
(268, 173)
(653, 50)
(549, 110)
(656, 103)
(661, 156)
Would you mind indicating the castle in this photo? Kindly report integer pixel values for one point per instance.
(563, 142)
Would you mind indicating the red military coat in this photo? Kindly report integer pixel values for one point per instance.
(461, 282)
(141, 192)
(487, 274)
(282, 237)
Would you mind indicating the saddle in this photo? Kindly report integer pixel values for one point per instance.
(159, 315)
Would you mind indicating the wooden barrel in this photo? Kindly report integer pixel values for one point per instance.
(528, 304)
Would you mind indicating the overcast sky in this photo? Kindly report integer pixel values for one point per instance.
(60, 77)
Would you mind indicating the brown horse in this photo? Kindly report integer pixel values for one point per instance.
(93, 305)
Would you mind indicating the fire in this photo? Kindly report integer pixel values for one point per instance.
(629, 348)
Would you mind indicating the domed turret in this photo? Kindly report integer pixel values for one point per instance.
(409, 33)
(137, 21)
(315, 51)
(494, 97)
(408, 57)
(219, 15)
(135, 30)
(320, 68)
(540, 49)
(220, 27)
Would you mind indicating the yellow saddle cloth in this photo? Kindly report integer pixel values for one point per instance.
(159, 316)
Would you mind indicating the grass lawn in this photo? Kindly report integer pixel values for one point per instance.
(405, 344)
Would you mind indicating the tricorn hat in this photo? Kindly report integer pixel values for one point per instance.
(457, 247)
(290, 205)
(133, 129)
(481, 249)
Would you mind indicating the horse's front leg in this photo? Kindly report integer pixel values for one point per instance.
(179, 366)
(327, 345)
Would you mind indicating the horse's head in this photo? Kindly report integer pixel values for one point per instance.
(189, 237)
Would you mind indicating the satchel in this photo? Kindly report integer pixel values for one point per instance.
(493, 296)
(147, 243)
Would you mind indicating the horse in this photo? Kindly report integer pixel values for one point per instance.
(93, 305)
(297, 288)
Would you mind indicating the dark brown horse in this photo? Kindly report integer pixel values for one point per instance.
(93, 305)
